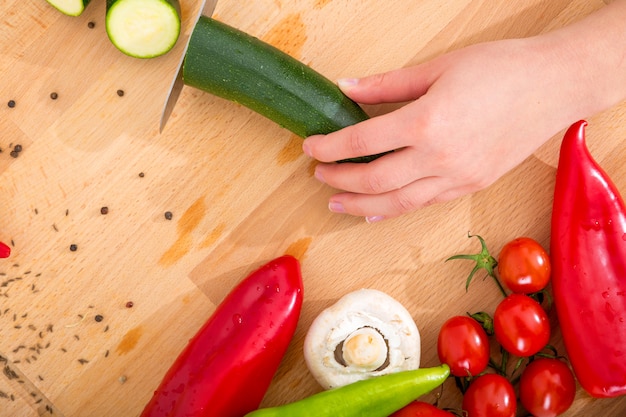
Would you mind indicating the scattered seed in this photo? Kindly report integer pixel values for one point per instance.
(83, 361)
(130, 304)
(73, 247)
(104, 210)
(98, 318)
(11, 103)
(168, 215)
(141, 175)
(120, 93)
(14, 154)
(91, 25)
(122, 379)
(54, 96)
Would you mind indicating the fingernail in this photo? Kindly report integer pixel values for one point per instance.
(306, 149)
(374, 219)
(319, 176)
(345, 83)
(336, 207)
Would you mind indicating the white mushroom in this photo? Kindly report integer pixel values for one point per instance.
(365, 333)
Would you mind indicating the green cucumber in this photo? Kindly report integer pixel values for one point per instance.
(143, 28)
(70, 7)
(231, 64)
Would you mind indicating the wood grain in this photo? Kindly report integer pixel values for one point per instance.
(239, 189)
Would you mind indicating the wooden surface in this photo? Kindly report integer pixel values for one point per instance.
(239, 189)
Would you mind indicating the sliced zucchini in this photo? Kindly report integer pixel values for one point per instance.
(231, 64)
(70, 7)
(143, 28)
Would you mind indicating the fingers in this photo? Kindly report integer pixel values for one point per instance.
(385, 174)
(380, 134)
(377, 207)
(391, 87)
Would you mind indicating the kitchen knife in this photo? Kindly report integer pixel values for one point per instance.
(207, 8)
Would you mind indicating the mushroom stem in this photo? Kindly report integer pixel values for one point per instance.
(365, 348)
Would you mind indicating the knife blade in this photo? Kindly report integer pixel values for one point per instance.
(207, 8)
(33, 395)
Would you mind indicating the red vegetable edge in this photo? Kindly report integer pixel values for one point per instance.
(5, 250)
(421, 409)
(227, 367)
(588, 250)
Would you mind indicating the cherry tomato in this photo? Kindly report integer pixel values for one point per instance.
(490, 395)
(524, 266)
(521, 325)
(463, 345)
(547, 387)
(421, 409)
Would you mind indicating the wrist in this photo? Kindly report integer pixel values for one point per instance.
(592, 57)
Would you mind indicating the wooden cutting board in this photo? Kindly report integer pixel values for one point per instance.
(239, 190)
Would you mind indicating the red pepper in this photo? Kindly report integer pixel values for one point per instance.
(228, 365)
(5, 250)
(421, 409)
(588, 250)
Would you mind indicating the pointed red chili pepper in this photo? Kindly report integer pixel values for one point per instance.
(228, 365)
(588, 250)
(5, 250)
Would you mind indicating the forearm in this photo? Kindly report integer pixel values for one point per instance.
(594, 58)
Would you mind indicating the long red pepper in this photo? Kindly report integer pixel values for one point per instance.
(588, 250)
(228, 365)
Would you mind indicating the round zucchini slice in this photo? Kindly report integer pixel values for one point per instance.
(143, 28)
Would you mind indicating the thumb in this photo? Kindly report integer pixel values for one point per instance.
(391, 87)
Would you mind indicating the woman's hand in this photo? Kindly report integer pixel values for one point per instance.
(476, 113)
(473, 114)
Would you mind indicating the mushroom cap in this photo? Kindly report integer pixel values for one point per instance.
(366, 312)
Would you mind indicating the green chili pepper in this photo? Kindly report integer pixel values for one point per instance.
(374, 397)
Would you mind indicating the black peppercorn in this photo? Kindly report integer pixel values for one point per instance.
(129, 304)
(104, 210)
(91, 25)
(17, 148)
(73, 247)
(11, 103)
(120, 93)
(98, 318)
(168, 215)
(54, 96)
(141, 175)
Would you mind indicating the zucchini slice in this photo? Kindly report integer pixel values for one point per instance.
(143, 28)
(231, 64)
(70, 7)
